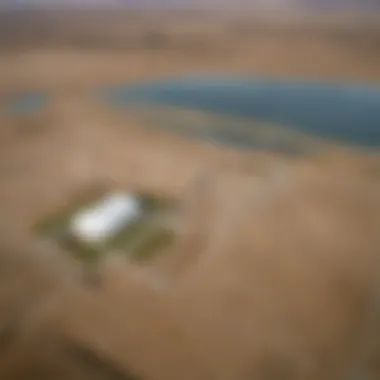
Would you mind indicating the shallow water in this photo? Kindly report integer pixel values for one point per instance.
(334, 111)
(339, 111)
(27, 104)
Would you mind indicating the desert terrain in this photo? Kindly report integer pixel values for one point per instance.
(276, 273)
(73, 51)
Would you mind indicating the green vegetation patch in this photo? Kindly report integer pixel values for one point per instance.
(153, 244)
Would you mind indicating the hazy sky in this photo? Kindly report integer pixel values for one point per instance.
(238, 3)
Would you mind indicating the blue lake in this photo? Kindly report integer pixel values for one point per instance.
(340, 111)
(27, 104)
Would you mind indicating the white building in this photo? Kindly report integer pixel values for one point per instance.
(105, 218)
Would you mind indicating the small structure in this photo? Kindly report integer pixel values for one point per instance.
(105, 219)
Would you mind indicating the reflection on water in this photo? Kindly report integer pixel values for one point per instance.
(344, 112)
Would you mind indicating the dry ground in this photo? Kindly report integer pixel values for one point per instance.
(275, 270)
(76, 51)
(276, 273)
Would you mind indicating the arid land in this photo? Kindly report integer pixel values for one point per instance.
(69, 52)
(276, 273)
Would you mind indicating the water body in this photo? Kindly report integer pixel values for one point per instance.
(339, 111)
(27, 104)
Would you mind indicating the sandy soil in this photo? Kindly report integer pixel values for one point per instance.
(275, 275)
(274, 270)
(107, 47)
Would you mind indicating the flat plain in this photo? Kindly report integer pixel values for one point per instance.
(276, 271)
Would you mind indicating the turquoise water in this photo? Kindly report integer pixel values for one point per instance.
(27, 104)
(339, 111)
